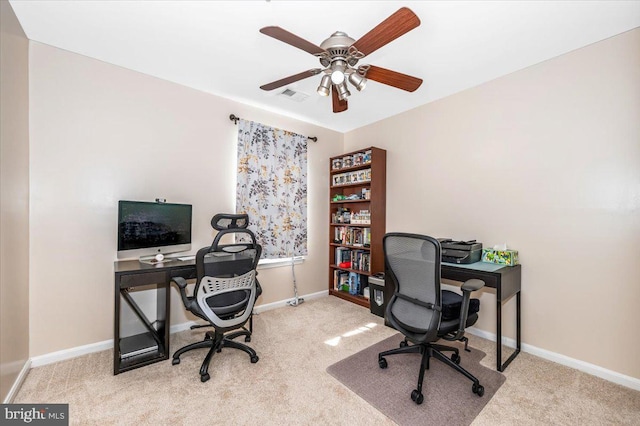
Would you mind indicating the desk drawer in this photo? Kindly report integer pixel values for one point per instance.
(132, 280)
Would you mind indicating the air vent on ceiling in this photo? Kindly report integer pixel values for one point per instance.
(293, 95)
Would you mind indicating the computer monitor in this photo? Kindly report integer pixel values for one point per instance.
(146, 229)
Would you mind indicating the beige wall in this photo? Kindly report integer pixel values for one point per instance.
(101, 133)
(546, 159)
(14, 198)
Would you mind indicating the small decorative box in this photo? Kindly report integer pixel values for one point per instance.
(502, 257)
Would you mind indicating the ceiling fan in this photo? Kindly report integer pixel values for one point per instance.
(339, 55)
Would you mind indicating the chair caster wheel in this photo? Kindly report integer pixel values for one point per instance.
(478, 389)
(247, 339)
(455, 358)
(175, 361)
(382, 363)
(254, 359)
(204, 377)
(417, 397)
(404, 344)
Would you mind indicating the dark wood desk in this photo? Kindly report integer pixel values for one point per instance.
(152, 345)
(507, 282)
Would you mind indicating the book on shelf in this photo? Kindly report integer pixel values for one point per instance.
(343, 254)
(354, 283)
(340, 280)
(352, 236)
(361, 260)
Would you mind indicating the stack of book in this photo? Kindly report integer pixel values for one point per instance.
(343, 254)
(361, 260)
(359, 237)
(340, 280)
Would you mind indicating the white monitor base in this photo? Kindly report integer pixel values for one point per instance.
(155, 259)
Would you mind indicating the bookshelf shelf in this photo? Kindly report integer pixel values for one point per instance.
(349, 202)
(351, 169)
(360, 300)
(350, 246)
(364, 176)
(357, 271)
(350, 185)
(361, 225)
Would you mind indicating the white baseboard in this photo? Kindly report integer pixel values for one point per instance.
(50, 358)
(176, 328)
(18, 382)
(283, 303)
(38, 361)
(594, 370)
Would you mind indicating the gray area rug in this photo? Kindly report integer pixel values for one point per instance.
(448, 398)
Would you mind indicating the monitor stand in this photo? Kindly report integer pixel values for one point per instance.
(155, 259)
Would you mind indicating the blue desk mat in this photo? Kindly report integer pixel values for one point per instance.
(478, 266)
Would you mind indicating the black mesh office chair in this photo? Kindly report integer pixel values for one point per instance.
(416, 308)
(225, 291)
(226, 221)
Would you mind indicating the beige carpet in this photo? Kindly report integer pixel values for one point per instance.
(448, 398)
(289, 385)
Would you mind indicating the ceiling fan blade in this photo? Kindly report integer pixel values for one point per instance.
(393, 78)
(292, 39)
(291, 79)
(401, 22)
(339, 105)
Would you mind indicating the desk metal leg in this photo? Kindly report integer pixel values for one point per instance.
(501, 367)
(499, 334)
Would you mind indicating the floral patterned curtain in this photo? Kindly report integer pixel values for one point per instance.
(272, 188)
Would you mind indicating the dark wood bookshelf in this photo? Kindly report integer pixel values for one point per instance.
(375, 204)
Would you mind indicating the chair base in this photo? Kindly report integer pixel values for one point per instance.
(428, 350)
(215, 341)
(250, 331)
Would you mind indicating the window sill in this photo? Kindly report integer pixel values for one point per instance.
(279, 263)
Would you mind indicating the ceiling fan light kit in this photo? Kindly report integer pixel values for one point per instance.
(343, 91)
(339, 55)
(325, 85)
(358, 81)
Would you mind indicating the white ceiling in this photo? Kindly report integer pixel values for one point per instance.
(215, 46)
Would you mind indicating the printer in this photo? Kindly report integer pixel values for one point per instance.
(460, 251)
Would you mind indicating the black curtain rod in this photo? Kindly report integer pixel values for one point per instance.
(235, 119)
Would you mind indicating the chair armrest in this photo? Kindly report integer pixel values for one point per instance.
(180, 282)
(472, 285)
(182, 286)
(467, 288)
